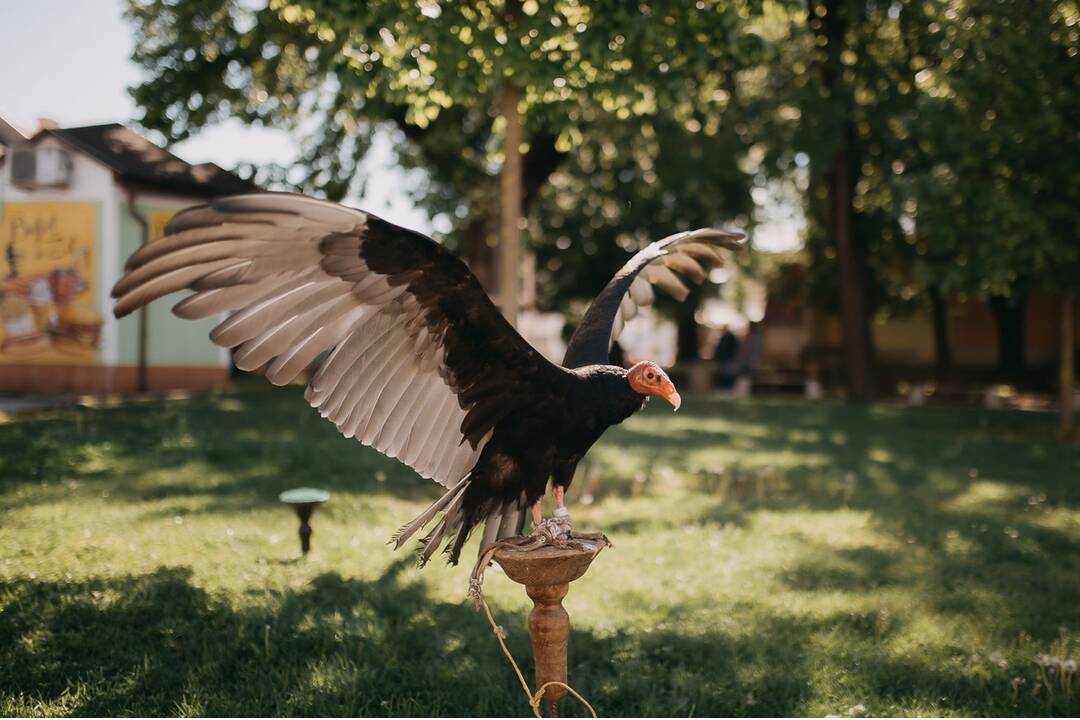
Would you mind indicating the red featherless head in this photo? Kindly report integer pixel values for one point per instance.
(647, 378)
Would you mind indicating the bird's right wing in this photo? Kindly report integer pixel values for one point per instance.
(421, 366)
(660, 264)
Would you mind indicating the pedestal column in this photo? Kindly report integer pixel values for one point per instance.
(546, 574)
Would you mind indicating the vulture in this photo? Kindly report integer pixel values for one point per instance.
(413, 358)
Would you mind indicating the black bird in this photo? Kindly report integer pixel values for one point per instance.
(421, 365)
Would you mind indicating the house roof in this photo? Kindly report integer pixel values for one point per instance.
(139, 162)
(9, 134)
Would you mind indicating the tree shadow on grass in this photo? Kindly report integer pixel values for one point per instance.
(157, 644)
(240, 448)
(849, 569)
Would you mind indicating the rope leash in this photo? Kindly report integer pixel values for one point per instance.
(533, 698)
(476, 582)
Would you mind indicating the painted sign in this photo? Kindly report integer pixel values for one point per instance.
(48, 312)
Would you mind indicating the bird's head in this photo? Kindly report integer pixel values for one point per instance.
(646, 378)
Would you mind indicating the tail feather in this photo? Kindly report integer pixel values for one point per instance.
(513, 519)
(491, 527)
(504, 522)
(459, 542)
(409, 529)
(435, 537)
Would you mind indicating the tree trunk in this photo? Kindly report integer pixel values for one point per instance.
(939, 308)
(1009, 315)
(687, 344)
(510, 207)
(851, 254)
(479, 254)
(1067, 427)
(855, 315)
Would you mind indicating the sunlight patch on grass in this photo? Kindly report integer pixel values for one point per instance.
(986, 497)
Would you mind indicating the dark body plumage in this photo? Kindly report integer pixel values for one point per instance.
(413, 358)
(545, 441)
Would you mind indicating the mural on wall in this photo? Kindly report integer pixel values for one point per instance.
(48, 312)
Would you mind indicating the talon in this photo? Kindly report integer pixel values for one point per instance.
(551, 530)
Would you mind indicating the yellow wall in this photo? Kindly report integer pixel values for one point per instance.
(910, 340)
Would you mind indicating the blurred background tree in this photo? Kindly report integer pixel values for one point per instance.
(335, 71)
(939, 153)
(932, 142)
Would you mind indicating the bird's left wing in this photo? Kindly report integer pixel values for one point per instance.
(421, 366)
(689, 253)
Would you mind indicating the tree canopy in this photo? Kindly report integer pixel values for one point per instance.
(933, 140)
(333, 69)
(634, 124)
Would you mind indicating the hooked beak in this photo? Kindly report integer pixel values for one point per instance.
(669, 393)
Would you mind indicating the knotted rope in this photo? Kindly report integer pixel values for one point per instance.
(545, 535)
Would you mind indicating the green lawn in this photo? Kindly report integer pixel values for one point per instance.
(772, 557)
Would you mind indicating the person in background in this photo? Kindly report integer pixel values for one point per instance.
(727, 349)
(749, 359)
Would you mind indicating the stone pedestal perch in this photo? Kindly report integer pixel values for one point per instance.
(546, 574)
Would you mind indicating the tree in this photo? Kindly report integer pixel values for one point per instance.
(953, 120)
(337, 69)
(334, 69)
(992, 189)
(836, 89)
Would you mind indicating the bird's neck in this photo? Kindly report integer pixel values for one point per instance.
(606, 395)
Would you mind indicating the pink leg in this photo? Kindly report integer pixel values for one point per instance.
(559, 492)
(537, 516)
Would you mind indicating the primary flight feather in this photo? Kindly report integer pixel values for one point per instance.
(421, 365)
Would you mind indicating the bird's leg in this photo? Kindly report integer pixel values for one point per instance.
(561, 514)
(556, 529)
(559, 493)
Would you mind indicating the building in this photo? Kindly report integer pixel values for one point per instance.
(74, 204)
(799, 337)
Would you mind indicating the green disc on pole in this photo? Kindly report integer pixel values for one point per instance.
(301, 496)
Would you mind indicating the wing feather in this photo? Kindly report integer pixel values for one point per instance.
(686, 265)
(689, 254)
(214, 302)
(409, 334)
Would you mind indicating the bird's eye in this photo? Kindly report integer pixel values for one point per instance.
(650, 376)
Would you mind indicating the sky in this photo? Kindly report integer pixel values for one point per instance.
(69, 60)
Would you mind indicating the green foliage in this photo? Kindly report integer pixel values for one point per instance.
(658, 85)
(343, 66)
(956, 115)
(957, 118)
(991, 179)
(772, 558)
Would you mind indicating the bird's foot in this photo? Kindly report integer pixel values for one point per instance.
(556, 529)
(593, 537)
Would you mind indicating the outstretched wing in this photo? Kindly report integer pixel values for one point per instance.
(421, 366)
(691, 254)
